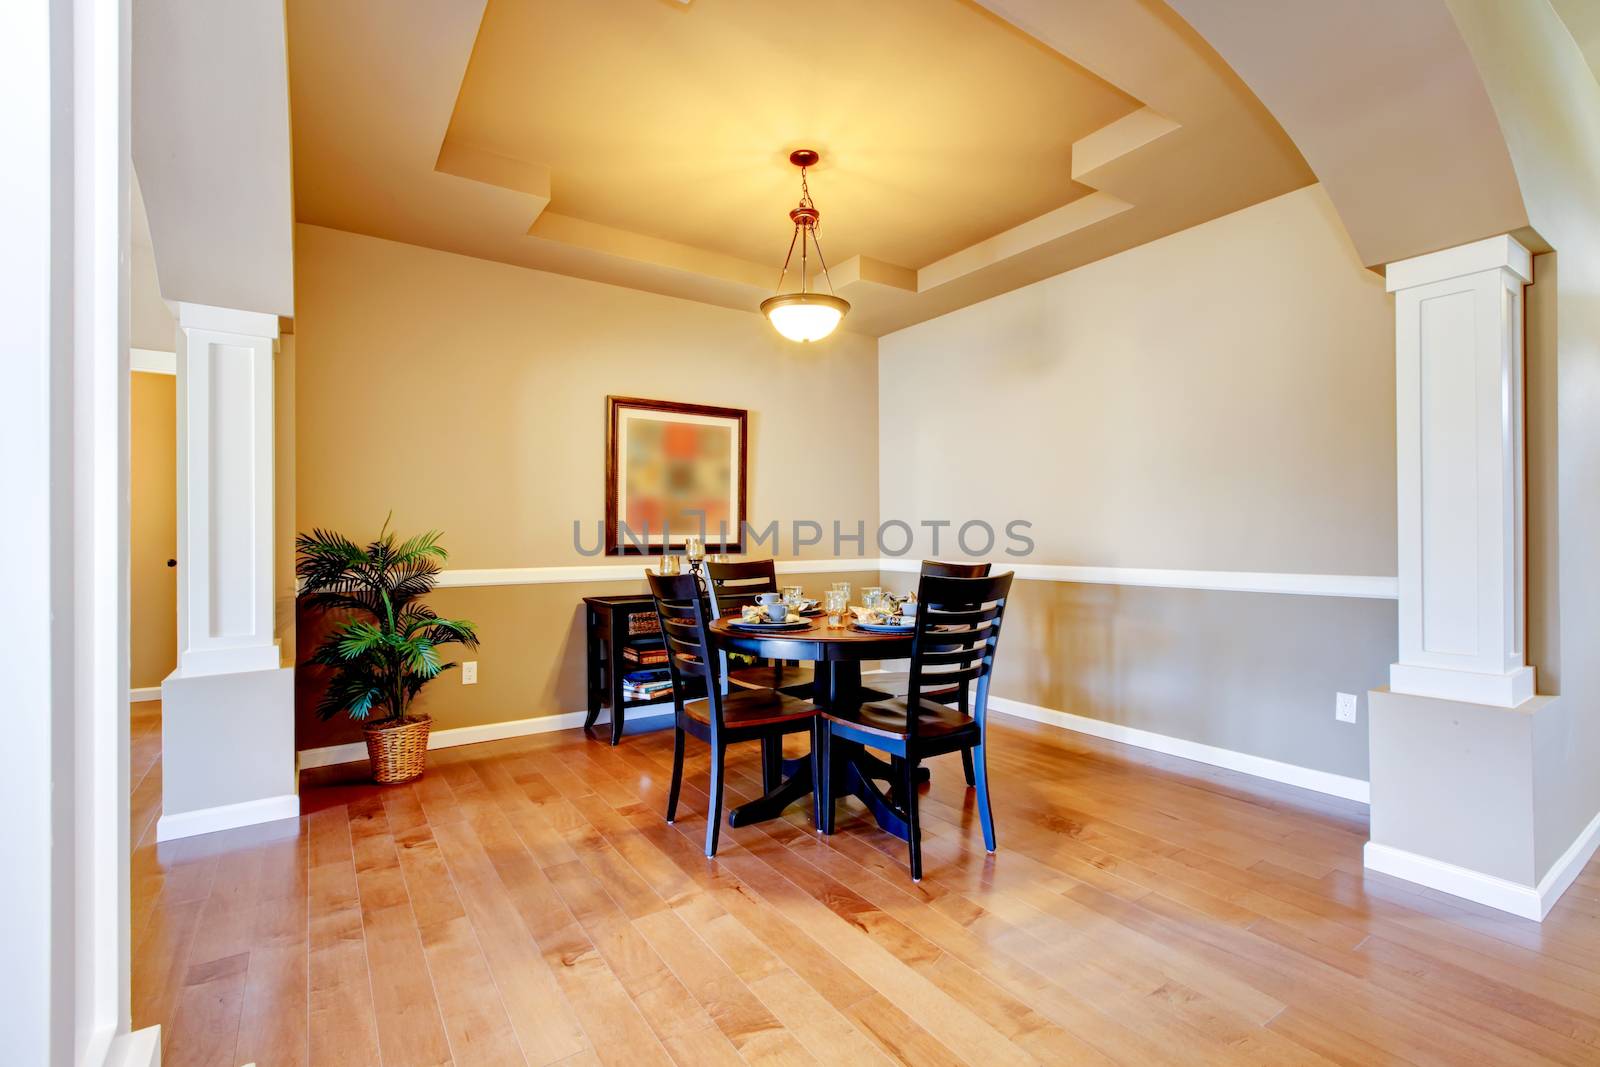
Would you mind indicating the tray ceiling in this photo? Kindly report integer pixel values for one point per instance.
(966, 151)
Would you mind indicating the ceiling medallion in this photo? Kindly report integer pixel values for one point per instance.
(804, 315)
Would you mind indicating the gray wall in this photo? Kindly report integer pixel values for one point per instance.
(1220, 399)
(1251, 672)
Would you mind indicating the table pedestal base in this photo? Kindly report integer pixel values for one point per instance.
(855, 770)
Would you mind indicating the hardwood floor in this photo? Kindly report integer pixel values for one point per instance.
(525, 902)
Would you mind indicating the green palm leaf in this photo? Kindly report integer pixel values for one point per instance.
(387, 649)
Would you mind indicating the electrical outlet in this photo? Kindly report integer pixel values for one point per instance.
(1344, 707)
(469, 672)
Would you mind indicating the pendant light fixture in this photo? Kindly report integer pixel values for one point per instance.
(804, 315)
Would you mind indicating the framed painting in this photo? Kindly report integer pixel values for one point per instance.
(673, 471)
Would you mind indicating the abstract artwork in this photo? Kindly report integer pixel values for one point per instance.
(673, 471)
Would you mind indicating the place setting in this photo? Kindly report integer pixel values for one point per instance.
(783, 611)
(882, 612)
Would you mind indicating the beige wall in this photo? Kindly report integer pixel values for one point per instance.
(532, 661)
(153, 527)
(1221, 399)
(469, 396)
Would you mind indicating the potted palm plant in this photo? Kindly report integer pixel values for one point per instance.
(385, 646)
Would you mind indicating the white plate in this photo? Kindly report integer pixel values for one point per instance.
(883, 627)
(771, 627)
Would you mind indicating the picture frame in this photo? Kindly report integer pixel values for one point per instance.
(666, 460)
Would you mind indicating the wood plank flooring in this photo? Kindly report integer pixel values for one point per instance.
(524, 902)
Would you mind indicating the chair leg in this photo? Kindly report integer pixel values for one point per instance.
(825, 788)
(985, 815)
(819, 778)
(677, 773)
(771, 763)
(966, 765)
(913, 826)
(714, 808)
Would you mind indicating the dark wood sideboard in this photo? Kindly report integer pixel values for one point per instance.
(613, 626)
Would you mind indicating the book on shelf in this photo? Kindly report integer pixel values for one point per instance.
(639, 624)
(645, 656)
(646, 685)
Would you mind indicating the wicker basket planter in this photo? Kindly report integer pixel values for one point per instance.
(398, 753)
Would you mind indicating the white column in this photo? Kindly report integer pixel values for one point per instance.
(1459, 406)
(225, 529)
(227, 712)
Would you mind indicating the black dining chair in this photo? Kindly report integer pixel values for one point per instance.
(733, 585)
(896, 683)
(940, 569)
(957, 631)
(719, 719)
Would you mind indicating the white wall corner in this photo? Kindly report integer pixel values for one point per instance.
(141, 1048)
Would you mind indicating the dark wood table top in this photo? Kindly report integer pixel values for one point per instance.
(818, 642)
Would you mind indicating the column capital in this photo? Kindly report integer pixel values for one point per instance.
(227, 320)
(1492, 253)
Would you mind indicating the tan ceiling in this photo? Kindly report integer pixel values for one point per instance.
(968, 149)
(939, 124)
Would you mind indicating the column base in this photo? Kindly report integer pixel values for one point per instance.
(1443, 683)
(1454, 806)
(227, 751)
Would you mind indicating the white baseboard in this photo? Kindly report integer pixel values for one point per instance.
(1259, 766)
(227, 817)
(1565, 870)
(471, 735)
(1527, 901)
(1486, 889)
(144, 692)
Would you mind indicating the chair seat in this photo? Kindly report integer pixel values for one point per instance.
(888, 718)
(898, 683)
(753, 707)
(771, 676)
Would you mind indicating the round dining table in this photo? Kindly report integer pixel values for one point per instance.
(836, 655)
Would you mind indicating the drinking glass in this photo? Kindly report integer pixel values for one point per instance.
(842, 587)
(870, 595)
(669, 565)
(838, 603)
(794, 596)
(694, 548)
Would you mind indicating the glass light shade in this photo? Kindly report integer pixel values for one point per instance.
(804, 316)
